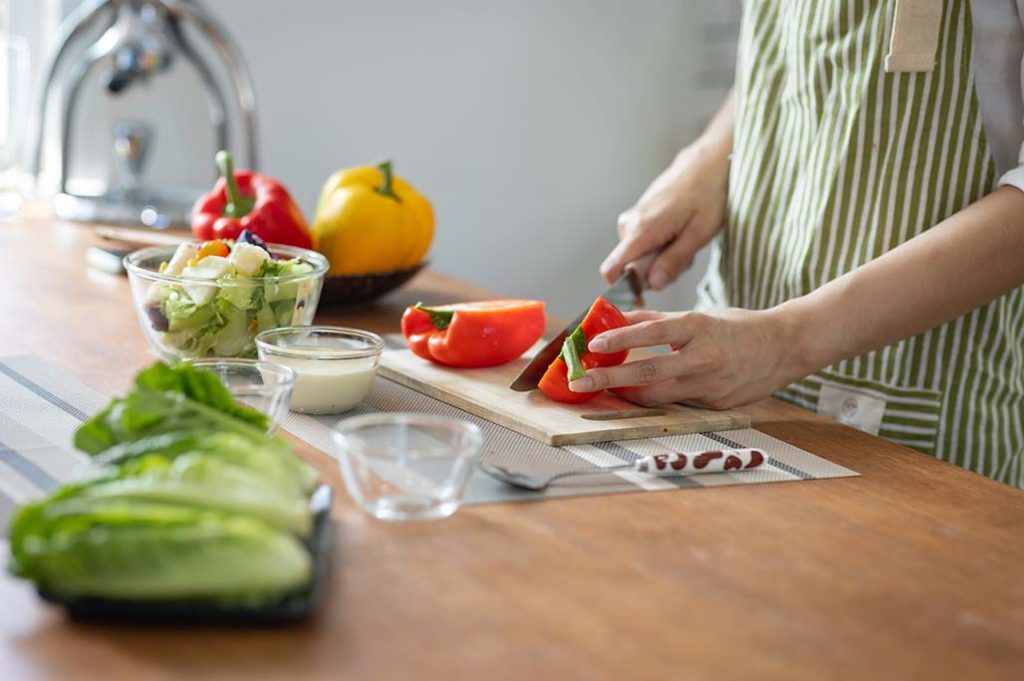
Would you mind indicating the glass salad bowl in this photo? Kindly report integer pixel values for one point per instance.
(215, 311)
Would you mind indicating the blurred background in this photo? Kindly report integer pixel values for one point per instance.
(529, 124)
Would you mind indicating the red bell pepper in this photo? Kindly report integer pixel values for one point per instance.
(575, 359)
(248, 200)
(468, 335)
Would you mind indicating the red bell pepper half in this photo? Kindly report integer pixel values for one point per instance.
(245, 200)
(471, 335)
(575, 359)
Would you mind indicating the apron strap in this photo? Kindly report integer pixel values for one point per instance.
(914, 38)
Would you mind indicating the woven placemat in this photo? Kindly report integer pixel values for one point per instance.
(518, 452)
(41, 405)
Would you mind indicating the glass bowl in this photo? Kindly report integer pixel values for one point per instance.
(335, 365)
(264, 386)
(399, 466)
(188, 318)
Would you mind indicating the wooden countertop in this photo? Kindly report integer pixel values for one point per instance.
(914, 570)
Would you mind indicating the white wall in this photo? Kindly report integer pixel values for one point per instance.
(529, 124)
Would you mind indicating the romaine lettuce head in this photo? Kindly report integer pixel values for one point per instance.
(146, 413)
(271, 459)
(188, 409)
(198, 480)
(191, 498)
(116, 548)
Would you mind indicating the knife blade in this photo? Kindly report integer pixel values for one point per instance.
(626, 294)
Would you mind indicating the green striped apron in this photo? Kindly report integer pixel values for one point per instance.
(836, 161)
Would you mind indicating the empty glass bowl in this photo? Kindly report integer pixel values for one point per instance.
(399, 466)
(264, 386)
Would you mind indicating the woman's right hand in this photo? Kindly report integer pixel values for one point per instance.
(681, 211)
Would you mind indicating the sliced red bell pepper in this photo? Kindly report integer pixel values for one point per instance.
(471, 335)
(575, 359)
(245, 200)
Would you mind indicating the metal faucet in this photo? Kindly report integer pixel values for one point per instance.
(140, 38)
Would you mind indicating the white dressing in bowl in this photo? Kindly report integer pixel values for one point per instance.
(334, 366)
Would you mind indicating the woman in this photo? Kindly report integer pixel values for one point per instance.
(868, 185)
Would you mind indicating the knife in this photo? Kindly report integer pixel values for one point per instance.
(626, 294)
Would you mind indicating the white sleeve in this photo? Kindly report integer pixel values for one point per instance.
(1015, 176)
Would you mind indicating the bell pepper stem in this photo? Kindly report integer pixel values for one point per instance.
(441, 319)
(571, 354)
(238, 204)
(387, 188)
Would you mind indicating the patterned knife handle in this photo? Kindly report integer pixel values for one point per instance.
(714, 461)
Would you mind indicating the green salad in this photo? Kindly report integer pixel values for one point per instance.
(224, 294)
(190, 499)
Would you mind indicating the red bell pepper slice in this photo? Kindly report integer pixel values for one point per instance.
(575, 359)
(471, 335)
(246, 200)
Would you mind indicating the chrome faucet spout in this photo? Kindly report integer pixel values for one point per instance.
(141, 38)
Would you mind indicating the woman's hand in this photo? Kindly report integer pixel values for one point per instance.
(681, 211)
(718, 360)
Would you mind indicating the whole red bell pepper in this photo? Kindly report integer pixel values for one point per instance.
(471, 335)
(248, 200)
(575, 359)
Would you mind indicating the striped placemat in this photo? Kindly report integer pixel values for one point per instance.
(518, 452)
(40, 408)
(41, 405)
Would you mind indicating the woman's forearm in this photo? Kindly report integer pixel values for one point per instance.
(960, 264)
(715, 144)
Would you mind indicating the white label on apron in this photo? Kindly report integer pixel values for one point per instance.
(851, 407)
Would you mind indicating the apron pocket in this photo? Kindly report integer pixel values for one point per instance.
(906, 416)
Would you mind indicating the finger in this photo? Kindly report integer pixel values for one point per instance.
(636, 316)
(645, 334)
(638, 240)
(625, 252)
(675, 258)
(627, 222)
(642, 372)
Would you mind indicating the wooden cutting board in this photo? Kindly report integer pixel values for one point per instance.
(486, 393)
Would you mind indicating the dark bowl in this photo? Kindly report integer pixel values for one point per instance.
(359, 288)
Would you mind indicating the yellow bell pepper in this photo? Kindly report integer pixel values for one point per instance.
(369, 220)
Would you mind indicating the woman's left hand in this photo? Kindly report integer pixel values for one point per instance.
(719, 359)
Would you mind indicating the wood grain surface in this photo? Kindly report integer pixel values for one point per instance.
(486, 393)
(915, 570)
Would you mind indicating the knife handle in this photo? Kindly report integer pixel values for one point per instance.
(714, 461)
(637, 271)
(641, 267)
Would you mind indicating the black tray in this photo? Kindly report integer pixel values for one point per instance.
(291, 607)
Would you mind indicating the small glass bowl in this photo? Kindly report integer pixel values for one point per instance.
(399, 466)
(264, 386)
(335, 365)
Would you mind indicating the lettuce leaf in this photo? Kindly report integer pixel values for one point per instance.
(200, 385)
(201, 480)
(119, 548)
